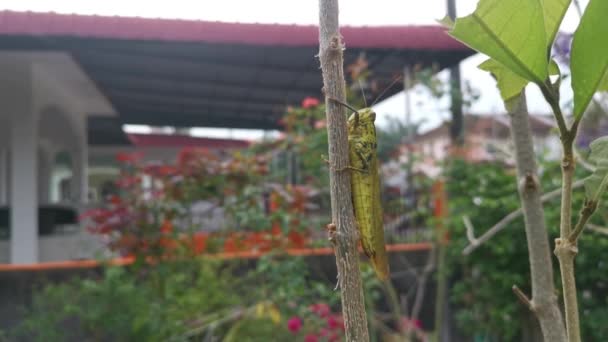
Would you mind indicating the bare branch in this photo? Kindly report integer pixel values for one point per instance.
(582, 162)
(345, 247)
(421, 283)
(470, 230)
(523, 298)
(595, 228)
(504, 222)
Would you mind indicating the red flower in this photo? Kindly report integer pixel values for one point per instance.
(294, 324)
(321, 309)
(125, 157)
(409, 324)
(335, 322)
(310, 102)
(311, 338)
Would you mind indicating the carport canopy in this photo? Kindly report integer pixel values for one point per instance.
(183, 73)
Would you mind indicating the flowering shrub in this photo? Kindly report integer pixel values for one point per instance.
(319, 323)
(149, 216)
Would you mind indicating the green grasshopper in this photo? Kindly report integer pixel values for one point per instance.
(365, 186)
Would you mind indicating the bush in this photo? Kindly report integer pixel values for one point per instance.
(483, 279)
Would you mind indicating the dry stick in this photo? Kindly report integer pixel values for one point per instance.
(597, 229)
(544, 301)
(504, 222)
(345, 248)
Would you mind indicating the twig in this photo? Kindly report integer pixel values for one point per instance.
(582, 162)
(470, 230)
(347, 256)
(523, 298)
(421, 284)
(504, 222)
(597, 229)
(586, 213)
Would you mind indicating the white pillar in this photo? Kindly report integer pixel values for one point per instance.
(4, 176)
(45, 166)
(80, 182)
(17, 99)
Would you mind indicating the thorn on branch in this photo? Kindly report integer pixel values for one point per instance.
(523, 298)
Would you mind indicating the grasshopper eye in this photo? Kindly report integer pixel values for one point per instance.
(373, 116)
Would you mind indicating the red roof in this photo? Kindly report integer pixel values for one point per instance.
(129, 28)
(166, 140)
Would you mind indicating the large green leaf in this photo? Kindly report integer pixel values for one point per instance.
(598, 156)
(554, 11)
(589, 61)
(604, 83)
(510, 84)
(512, 32)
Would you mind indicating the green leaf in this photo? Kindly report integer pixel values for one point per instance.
(512, 32)
(589, 54)
(510, 84)
(603, 83)
(554, 11)
(599, 157)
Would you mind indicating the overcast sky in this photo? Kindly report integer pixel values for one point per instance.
(352, 12)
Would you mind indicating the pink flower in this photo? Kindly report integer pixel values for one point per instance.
(335, 322)
(320, 124)
(321, 309)
(409, 324)
(294, 324)
(310, 102)
(311, 338)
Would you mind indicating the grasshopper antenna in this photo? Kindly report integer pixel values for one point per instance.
(386, 89)
(349, 107)
(362, 92)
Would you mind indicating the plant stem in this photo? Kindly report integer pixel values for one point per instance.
(566, 249)
(544, 301)
(346, 236)
(567, 176)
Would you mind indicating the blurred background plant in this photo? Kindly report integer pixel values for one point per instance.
(481, 282)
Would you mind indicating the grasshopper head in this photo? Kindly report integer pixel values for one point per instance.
(362, 118)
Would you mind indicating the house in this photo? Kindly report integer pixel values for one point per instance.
(70, 82)
(487, 138)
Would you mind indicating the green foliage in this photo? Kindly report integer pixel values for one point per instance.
(589, 54)
(292, 285)
(483, 279)
(257, 330)
(517, 35)
(496, 28)
(122, 306)
(599, 157)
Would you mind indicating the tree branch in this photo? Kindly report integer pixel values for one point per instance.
(597, 229)
(543, 300)
(504, 222)
(345, 243)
